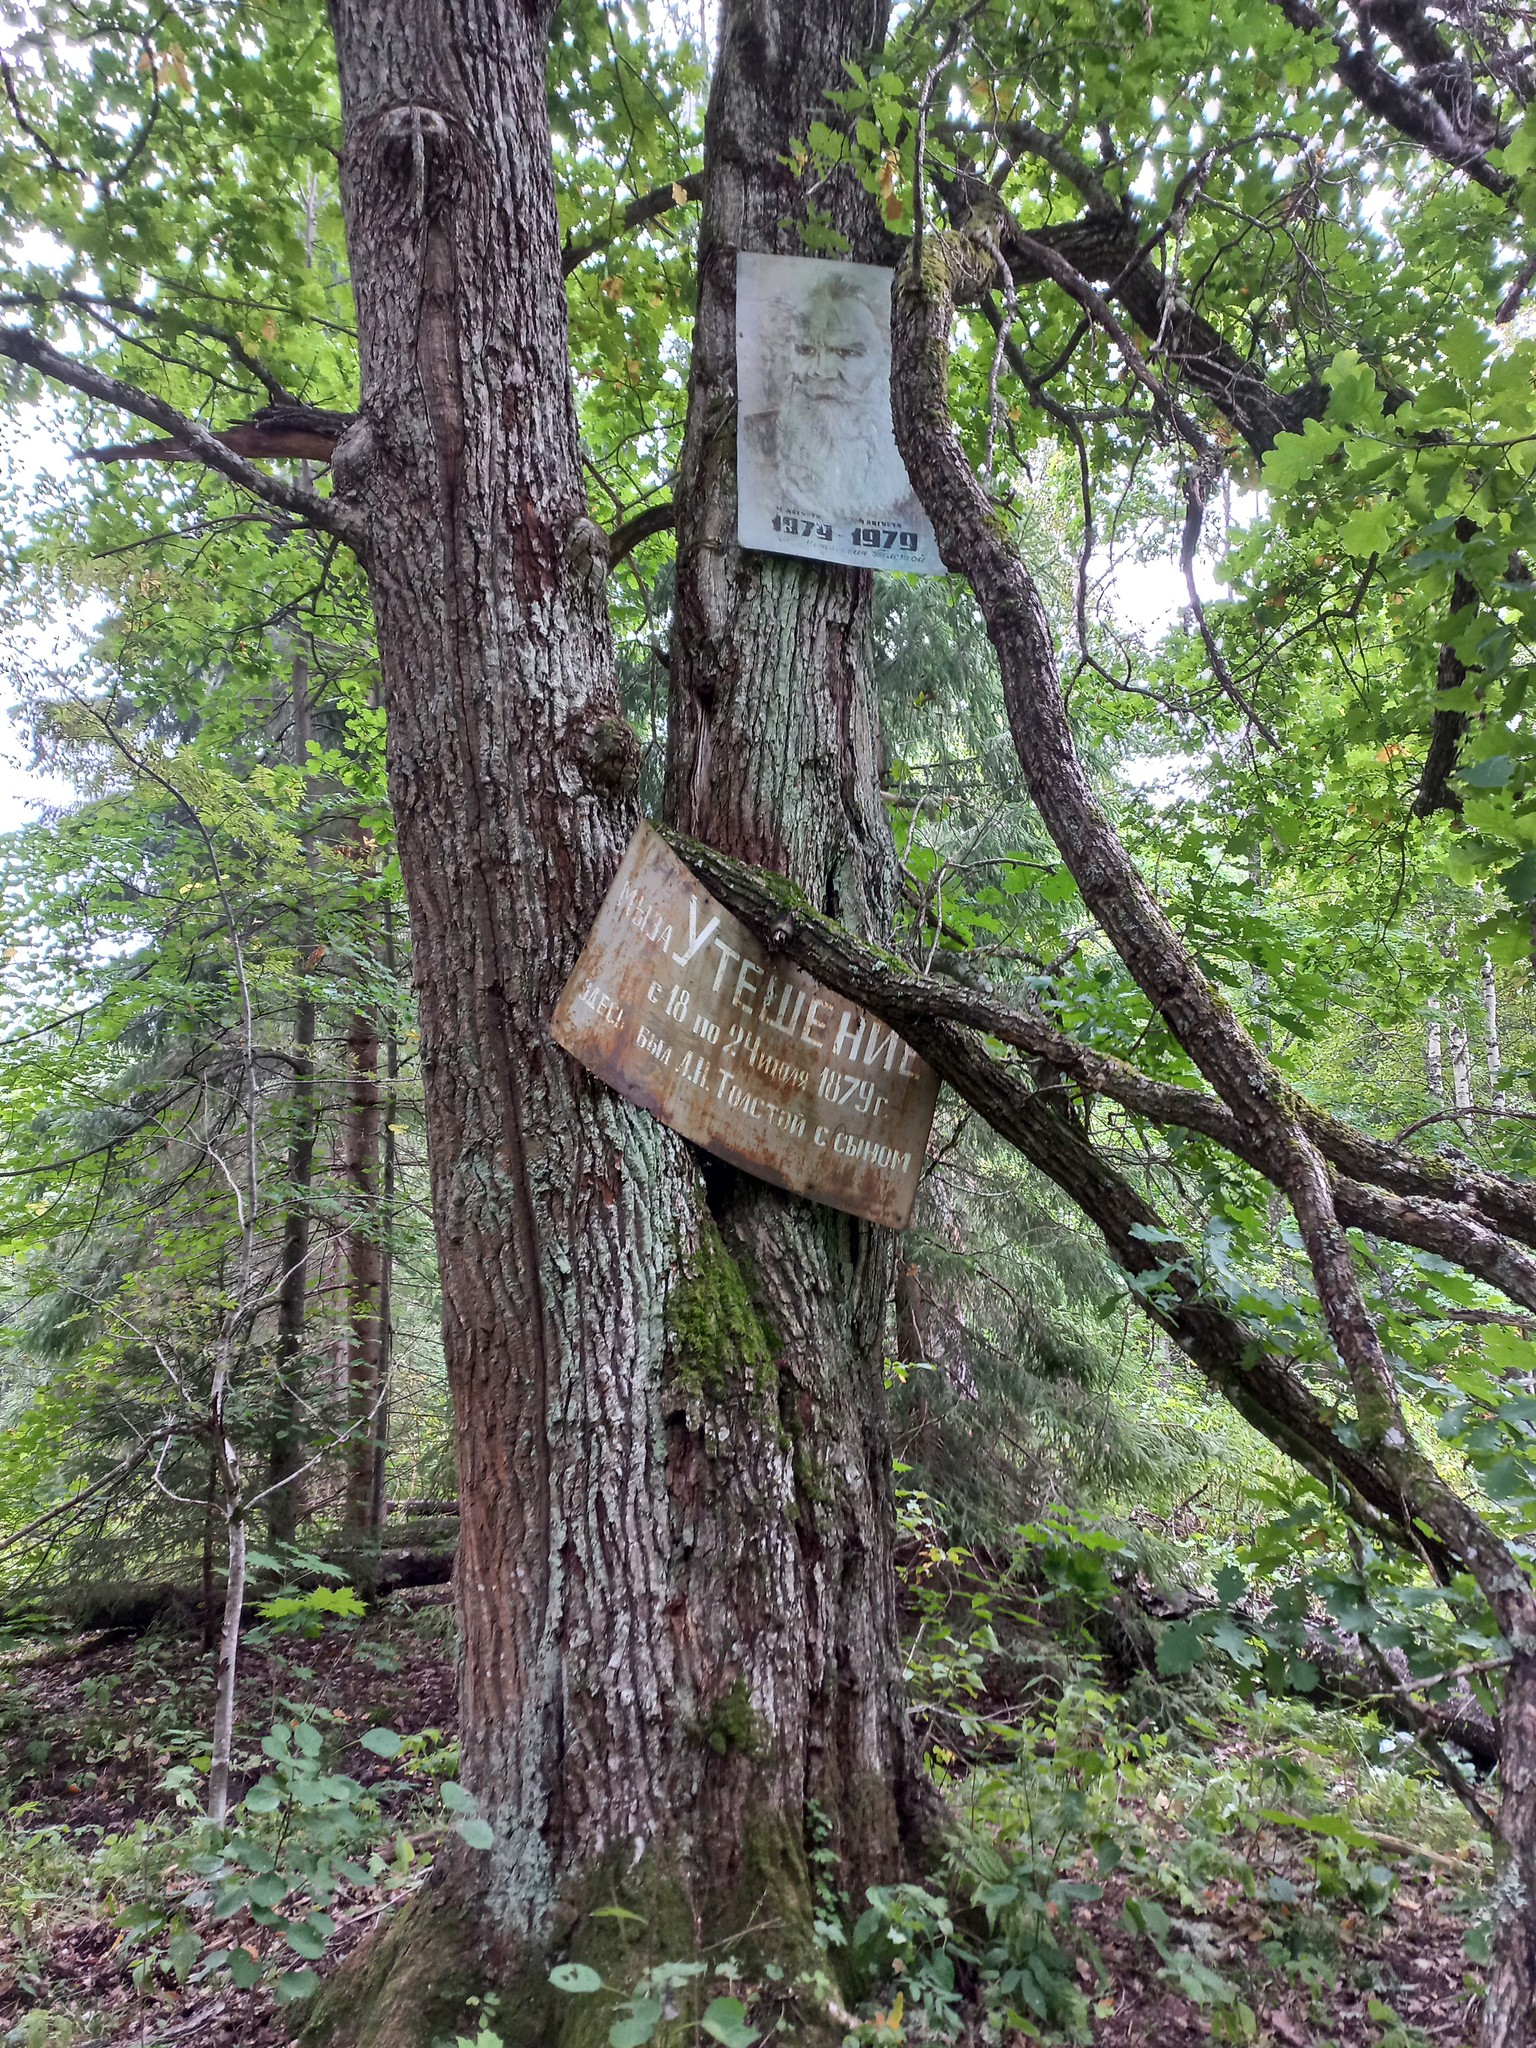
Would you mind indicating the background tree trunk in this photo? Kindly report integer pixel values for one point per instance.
(286, 1456)
(361, 1146)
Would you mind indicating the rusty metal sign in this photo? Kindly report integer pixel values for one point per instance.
(683, 1010)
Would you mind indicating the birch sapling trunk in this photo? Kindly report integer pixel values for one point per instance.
(1496, 1096)
(1460, 1049)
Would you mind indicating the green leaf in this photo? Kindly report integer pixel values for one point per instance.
(455, 1798)
(1179, 1649)
(645, 2017)
(1490, 774)
(725, 2021)
(305, 1941)
(575, 1977)
(1231, 1640)
(383, 1742)
(294, 1984)
(476, 1832)
(183, 1951)
(245, 1969)
(1519, 153)
(1507, 1478)
(1365, 532)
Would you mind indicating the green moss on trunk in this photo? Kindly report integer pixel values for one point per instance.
(719, 1343)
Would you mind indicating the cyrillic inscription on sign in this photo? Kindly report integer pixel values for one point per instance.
(684, 1011)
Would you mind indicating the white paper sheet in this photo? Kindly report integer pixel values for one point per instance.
(818, 472)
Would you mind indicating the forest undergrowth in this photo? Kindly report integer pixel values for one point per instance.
(1134, 1858)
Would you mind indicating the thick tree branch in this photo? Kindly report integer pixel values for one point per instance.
(1105, 249)
(972, 540)
(1414, 114)
(1262, 1387)
(640, 526)
(1112, 887)
(21, 345)
(292, 432)
(912, 1003)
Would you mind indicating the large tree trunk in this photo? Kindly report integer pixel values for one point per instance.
(634, 1678)
(560, 1212)
(773, 756)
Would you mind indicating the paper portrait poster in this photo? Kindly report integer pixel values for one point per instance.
(818, 472)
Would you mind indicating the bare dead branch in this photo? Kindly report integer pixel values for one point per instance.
(21, 345)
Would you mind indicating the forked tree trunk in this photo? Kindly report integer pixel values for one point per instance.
(622, 1477)
(773, 756)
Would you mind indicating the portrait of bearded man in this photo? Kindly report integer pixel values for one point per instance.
(815, 442)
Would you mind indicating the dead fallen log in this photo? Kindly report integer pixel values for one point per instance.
(133, 1607)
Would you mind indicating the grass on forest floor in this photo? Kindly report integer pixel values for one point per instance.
(1275, 1875)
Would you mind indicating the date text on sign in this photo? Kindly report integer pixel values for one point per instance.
(680, 1008)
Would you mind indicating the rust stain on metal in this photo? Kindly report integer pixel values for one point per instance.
(683, 1010)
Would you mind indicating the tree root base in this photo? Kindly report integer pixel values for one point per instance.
(438, 1970)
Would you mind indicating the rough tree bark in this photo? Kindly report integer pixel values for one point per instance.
(642, 1716)
(560, 1213)
(773, 757)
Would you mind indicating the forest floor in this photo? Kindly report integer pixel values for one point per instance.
(1272, 1881)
